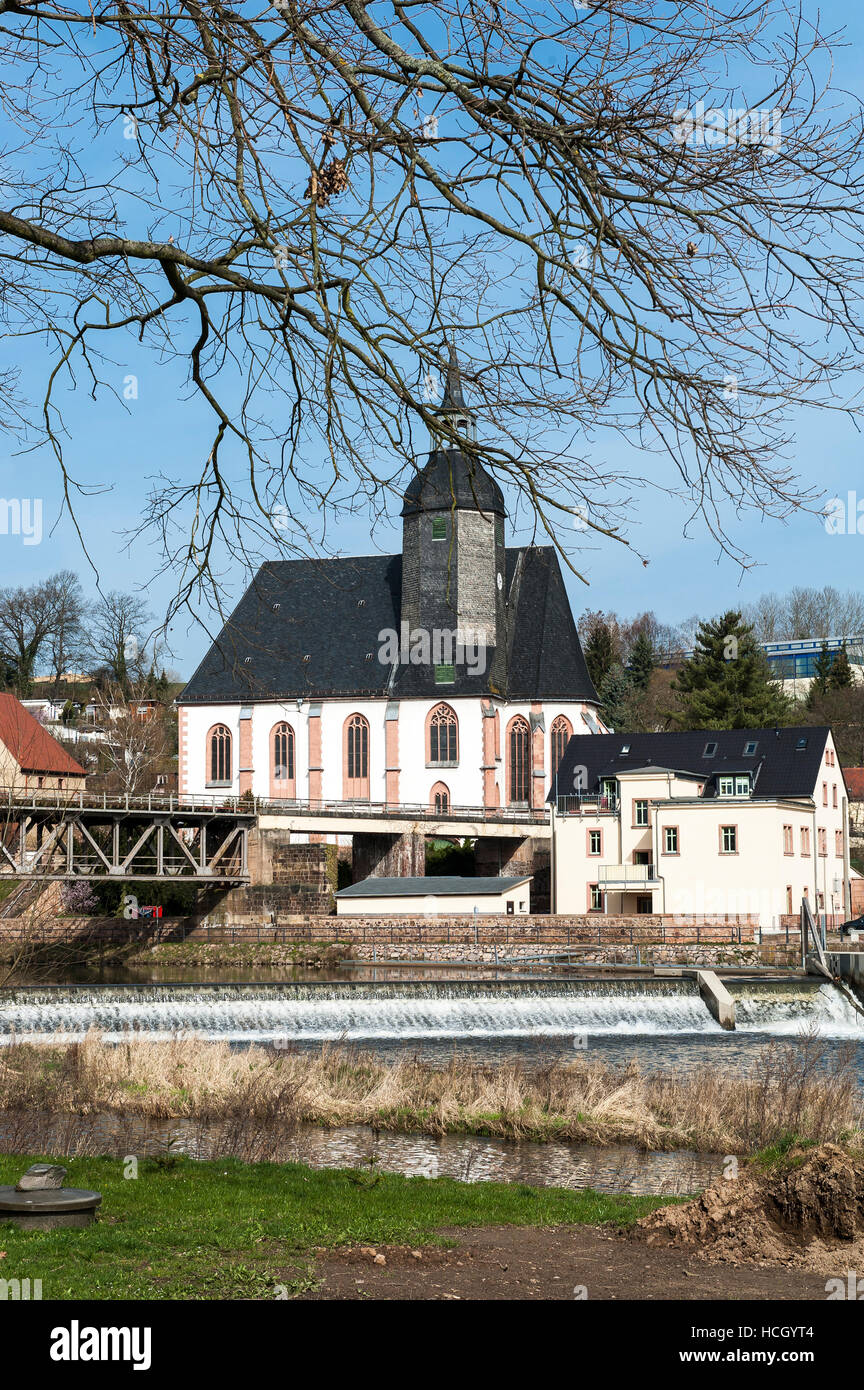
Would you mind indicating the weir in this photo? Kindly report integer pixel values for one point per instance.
(405, 1009)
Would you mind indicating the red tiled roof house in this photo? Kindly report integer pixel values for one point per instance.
(30, 759)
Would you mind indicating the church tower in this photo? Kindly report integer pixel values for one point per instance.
(453, 566)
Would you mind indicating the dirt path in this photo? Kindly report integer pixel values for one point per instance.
(512, 1262)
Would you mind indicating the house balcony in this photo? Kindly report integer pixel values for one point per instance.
(588, 805)
(627, 878)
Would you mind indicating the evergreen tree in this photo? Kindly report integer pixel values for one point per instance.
(727, 683)
(599, 652)
(616, 691)
(841, 672)
(821, 681)
(642, 661)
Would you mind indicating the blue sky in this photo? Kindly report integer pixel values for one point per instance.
(119, 449)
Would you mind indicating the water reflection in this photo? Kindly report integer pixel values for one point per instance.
(467, 1158)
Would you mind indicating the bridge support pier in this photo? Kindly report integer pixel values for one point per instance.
(263, 844)
(506, 857)
(389, 856)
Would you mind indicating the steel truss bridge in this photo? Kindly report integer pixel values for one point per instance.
(52, 834)
(46, 835)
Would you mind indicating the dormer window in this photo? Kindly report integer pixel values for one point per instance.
(733, 786)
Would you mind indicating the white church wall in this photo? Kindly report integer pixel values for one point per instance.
(416, 780)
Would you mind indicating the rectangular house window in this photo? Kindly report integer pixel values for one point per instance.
(728, 839)
(439, 528)
(805, 839)
(640, 809)
(595, 842)
(788, 847)
(595, 898)
(670, 839)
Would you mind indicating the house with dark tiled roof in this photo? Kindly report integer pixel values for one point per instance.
(448, 675)
(721, 822)
(30, 759)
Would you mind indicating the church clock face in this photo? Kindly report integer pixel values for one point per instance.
(499, 581)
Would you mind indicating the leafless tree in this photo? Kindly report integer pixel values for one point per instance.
(40, 623)
(315, 198)
(808, 612)
(136, 740)
(118, 641)
(66, 639)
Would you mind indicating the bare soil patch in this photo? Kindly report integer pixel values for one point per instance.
(807, 1213)
(529, 1263)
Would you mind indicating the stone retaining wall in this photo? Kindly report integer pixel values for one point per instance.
(498, 929)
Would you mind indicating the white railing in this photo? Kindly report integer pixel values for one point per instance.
(61, 799)
(626, 873)
(588, 804)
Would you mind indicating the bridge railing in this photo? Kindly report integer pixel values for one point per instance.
(14, 798)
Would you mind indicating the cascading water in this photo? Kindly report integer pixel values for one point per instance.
(418, 1010)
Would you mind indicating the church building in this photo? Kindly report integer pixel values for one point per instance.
(450, 675)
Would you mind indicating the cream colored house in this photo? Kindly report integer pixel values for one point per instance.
(725, 822)
(31, 761)
(444, 895)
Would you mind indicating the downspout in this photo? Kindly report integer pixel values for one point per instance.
(620, 836)
(815, 864)
(656, 838)
(847, 875)
(553, 865)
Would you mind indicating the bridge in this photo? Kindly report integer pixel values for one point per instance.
(52, 834)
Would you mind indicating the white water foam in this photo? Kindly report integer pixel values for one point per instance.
(286, 1017)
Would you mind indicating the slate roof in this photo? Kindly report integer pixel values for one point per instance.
(439, 886)
(32, 747)
(448, 480)
(779, 766)
(332, 611)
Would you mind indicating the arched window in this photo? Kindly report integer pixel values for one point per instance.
(356, 758)
(559, 736)
(439, 798)
(442, 735)
(282, 761)
(519, 761)
(219, 755)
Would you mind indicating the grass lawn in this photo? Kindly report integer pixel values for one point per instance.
(229, 1230)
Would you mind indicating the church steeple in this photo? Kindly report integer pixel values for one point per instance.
(453, 405)
(453, 561)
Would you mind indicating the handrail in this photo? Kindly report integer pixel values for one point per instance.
(592, 803)
(56, 798)
(626, 873)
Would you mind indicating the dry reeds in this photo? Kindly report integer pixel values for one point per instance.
(803, 1087)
